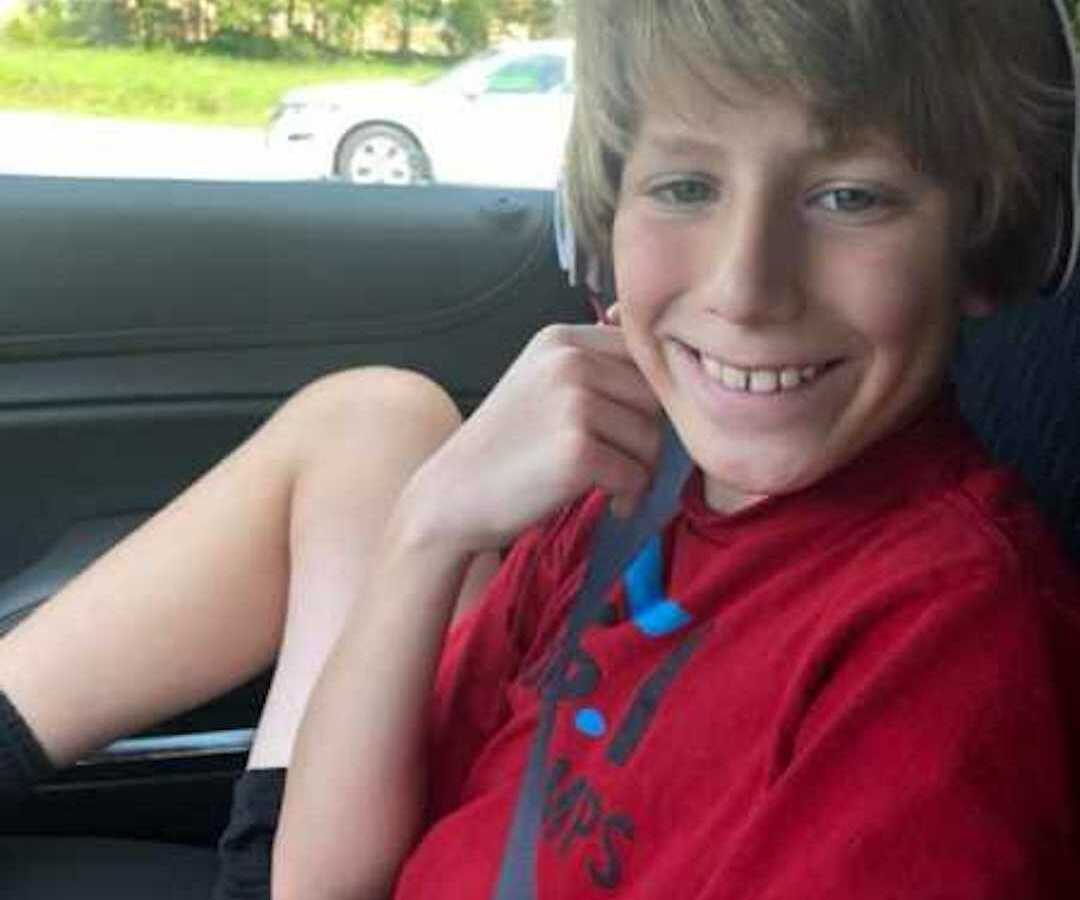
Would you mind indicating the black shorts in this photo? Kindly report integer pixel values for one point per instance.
(23, 762)
(245, 848)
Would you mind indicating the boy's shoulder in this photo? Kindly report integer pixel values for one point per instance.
(962, 526)
(981, 517)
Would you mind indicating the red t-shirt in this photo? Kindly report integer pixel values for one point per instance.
(855, 691)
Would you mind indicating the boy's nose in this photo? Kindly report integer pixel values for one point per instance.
(750, 263)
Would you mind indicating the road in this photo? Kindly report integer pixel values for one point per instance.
(38, 143)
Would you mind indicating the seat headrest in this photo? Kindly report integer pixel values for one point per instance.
(1017, 376)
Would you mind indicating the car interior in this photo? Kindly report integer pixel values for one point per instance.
(146, 327)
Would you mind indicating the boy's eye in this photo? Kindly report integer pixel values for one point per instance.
(684, 192)
(849, 200)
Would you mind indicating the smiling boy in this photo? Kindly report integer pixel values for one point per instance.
(847, 667)
(790, 303)
(843, 669)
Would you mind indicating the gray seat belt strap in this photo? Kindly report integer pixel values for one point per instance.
(615, 543)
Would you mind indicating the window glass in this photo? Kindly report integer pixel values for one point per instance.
(536, 75)
(360, 91)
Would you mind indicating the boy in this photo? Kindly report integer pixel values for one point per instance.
(840, 671)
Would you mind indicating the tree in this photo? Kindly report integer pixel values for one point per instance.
(539, 17)
(245, 16)
(407, 11)
(467, 25)
(343, 22)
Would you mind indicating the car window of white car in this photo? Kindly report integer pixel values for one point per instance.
(98, 90)
(532, 75)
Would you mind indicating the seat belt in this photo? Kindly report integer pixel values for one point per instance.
(615, 543)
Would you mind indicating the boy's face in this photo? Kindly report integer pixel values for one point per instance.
(788, 306)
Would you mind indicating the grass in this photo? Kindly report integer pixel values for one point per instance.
(167, 85)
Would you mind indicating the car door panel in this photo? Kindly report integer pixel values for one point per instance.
(78, 546)
(147, 327)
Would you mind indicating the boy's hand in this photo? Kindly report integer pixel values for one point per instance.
(572, 413)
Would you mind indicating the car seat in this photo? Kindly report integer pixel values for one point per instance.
(56, 868)
(1017, 377)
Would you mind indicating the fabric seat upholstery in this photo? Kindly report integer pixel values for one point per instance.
(56, 868)
(1018, 383)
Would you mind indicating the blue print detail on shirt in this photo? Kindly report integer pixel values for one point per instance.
(591, 722)
(576, 810)
(654, 614)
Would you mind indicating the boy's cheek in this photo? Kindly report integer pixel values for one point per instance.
(649, 261)
(646, 287)
(895, 305)
(886, 323)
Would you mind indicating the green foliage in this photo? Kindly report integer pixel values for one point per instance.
(241, 44)
(298, 46)
(171, 86)
(154, 23)
(538, 16)
(249, 16)
(46, 24)
(467, 25)
(70, 23)
(271, 29)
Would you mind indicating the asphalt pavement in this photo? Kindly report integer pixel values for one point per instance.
(38, 143)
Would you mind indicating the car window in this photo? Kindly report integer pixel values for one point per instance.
(535, 75)
(357, 91)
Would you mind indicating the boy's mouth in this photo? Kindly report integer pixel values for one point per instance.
(762, 379)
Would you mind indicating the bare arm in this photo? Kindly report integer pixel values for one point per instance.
(571, 413)
(363, 734)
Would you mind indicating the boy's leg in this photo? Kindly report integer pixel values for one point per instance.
(339, 510)
(195, 601)
(337, 517)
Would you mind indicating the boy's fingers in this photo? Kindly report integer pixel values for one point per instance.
(624, 383)
(598, 363)
(618, 475)
(612, 447)
(633, 432)
(599, 338)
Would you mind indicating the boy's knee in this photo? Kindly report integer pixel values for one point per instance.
(360, 404)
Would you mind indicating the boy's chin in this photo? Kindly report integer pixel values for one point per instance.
(736, 484)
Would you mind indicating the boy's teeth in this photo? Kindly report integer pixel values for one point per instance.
(736, 379)
(713, 367)
(758, 381)
(764, 381)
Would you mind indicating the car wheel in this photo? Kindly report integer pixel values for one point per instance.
(382, 154)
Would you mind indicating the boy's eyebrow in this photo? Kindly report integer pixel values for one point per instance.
(679, 143)
(682, 143)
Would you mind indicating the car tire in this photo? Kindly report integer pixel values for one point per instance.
(382, 154)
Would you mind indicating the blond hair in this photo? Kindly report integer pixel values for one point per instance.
(977, 93)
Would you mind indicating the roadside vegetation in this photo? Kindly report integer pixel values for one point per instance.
(171, 85)
(228, 61)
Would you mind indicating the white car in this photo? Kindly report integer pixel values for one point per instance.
(499, 118)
